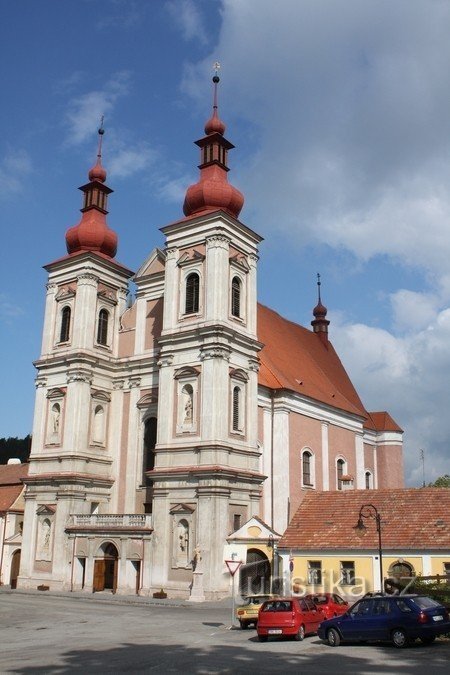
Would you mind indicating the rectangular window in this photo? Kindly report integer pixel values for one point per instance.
(347, 572)
(314, 571)
(236, 522)
(447, 571)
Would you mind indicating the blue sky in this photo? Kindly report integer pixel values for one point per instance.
(340, 113)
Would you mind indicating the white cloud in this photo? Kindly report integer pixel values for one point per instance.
(347, 103)
(8, 310)
(14, 167)
(128, 161)
(85, 111)
(188, 18)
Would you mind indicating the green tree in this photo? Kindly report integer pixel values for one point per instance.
(442, 481)
(15, 448)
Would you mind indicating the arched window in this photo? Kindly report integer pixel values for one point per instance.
(400, 569)
(98, 426)
(307, 468)
(65, 324)
(192, 293)
(236, 297)
(149, 446)
(102, 327)
(368, 477)
(236, 412)
(340, 472)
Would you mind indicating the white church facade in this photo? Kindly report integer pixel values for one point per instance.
(162, 428)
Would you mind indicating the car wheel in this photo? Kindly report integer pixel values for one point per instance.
(399, 638)
(428, 640)
(300, 634)
(244, 625)
(262, 638)
(333, 637)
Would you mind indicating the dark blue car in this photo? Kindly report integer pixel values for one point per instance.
(396, 618)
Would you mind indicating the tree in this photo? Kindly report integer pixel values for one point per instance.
(442, 481)
(15, 448)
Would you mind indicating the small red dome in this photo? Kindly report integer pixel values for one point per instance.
(320, 311)
(97, 172)
(92, 234)
(215, 125)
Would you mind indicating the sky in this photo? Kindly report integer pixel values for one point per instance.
(340, 114)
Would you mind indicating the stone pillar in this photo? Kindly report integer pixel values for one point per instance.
(252, 295)
(280, 468)
(48, 332)
(325, 458)
(134, 419)
(217, 282)
(77, 408)
(171, 290)
(85, 319)
(215, 393)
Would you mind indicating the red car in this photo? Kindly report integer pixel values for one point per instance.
(293, 617)
(331, 604)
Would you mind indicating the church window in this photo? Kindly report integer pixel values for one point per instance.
(65, 324)
(340, 472)
(307, 468)
(369, 481)
(236, 297)
(102, 327)
(192, 293)
(237, 522)
(236, 412)
(149, 447)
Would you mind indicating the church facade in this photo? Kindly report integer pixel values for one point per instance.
(161, 428)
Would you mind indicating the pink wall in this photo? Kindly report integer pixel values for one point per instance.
(390, 466)
(341, 443)
(304, 432)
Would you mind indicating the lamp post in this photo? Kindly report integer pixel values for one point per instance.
(271, 543)
(370, 511)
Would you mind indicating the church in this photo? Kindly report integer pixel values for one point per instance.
(164, 425)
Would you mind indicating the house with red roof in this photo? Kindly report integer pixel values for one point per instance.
(11, 520)
(166, 421)
(352, 542)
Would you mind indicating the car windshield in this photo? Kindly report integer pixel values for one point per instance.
(424, 602)
(277, 606)
(254, 600)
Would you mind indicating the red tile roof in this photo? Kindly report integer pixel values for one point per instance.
(381, 421)
(12, 474)
(294, 358)
(414, 518)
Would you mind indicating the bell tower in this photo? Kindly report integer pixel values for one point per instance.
(206, 475)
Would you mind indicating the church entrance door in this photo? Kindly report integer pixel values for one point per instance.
(105, 569)
(255, 574)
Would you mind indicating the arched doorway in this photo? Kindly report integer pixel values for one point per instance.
(105, 569)
(401, 569)
(255, 574)
(15, 566)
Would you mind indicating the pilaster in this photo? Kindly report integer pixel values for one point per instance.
(85, 311)
(217, 285)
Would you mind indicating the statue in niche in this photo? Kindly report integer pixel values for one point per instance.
(188, 404)
(56, 414)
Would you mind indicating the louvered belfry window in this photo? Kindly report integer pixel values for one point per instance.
(102, 328)
(192, 293)
(65, 325)
(236, 297)
(236, 406)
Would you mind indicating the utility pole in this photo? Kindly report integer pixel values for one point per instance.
(422, 457)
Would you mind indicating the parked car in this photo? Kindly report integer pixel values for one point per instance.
(331, 604)
(247, 613)
(397, 618)
(294, 617)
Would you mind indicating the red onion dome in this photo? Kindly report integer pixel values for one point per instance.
(92, 234)
(213, 192)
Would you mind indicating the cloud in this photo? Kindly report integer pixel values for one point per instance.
(85, 111)
(346, 147)
(14, 167)
(8, 310)
(127, 161)
(407, 376)
(188, 18)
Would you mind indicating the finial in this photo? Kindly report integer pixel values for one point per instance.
(318, 286)
(101, 131)
(216, 68)
(98, 172)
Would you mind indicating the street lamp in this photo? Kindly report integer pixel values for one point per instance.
(370, 511)
(271, 543)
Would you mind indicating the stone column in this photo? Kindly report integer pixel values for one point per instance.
(171, 290)
(252, 295)
(49, 319)
(85, 319)
(217, 284)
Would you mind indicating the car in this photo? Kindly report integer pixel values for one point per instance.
(396, 618)
(247, 613)
(288, 617)
(330, 603)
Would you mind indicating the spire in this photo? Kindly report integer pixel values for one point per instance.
(92, 233)
(320, 323)
(213, 190)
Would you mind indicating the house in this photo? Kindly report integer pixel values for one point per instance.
(163, 425)
(11, 520)
(326, 552)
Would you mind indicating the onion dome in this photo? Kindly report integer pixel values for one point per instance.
(92, 232)
(213, 191)
(320, 323)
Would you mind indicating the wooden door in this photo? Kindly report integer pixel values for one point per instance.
(15, 566)
(99, 576)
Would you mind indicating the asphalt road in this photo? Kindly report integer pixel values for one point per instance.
(51, 634)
